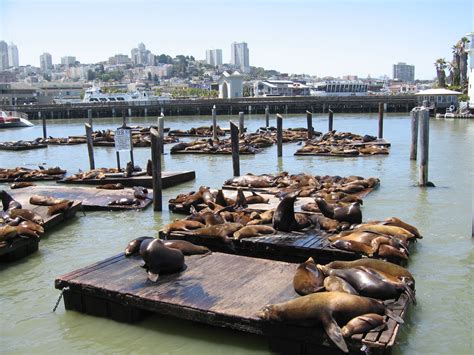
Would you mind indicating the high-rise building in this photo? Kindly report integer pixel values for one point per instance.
(239, 56)
(46, 62)
(141, 55)
(3, 55)
(214, 57)
(404, 72)
(68, 60)
(13, 60)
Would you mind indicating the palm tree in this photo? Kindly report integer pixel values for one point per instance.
(455, 64)
(440, 66)
(450, 68)
(463, 54)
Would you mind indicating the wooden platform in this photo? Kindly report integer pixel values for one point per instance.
(23, 147)
(339, 155)
(216, 289)
(22, 247)
(92, 199)
(201, 152)
(379, 142)
(168, 179)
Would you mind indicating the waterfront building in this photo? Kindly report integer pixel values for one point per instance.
(3, 55)
(470, 87)
(339, 88)
(280, 88)
(17, 94)
(214, 57)
(439, 99)
(231, 85)
(239, 56)
(13, 59)
(46, 62)
(68, 61)
(404, 72)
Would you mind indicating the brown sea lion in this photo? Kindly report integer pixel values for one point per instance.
(117, 186)
(262, 218)
(21, 184)
(253, 231)
(7, 233)
(240, 201)
(195, 198)
(45, 200)
(351, 213)
(159, 259)
(380, 265)
(59, 207)
(387, 251)
(182, 225)
(255, 198)
(27, 214)
(33, 226)
(394, 221)
(133, 247)
(284, 216)
(187, 248)
(326, 308)
(308, 278)
(26, 232)
(219, 231)
(363, 324)
(385, 229)
(8, 202)
(328, 224)
(337, 284)
(353, 246)
(222, 200)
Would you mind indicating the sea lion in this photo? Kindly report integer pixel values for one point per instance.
(125, 201)
(160, 259)
(140, 192)
(284, 216)
(59, 207)
(8, 202)
(195, 198)
(337, 284)
(394, 221)
(26, 232)
(262, 218)
(385, 229)
(255, 198)
(380, 265)
(363, 324)
(327, 309)
(222, 200)
(387, 251)
(351, 213)
(353, 246)
(181, 225)
(117, 186)
(253, 231)
(187, 248)
(328, 224)
(368, 284)
(240, 201)
(21, 184)
(45, 200)
(33, 226)
(27, 214)
(7, 233)
(219, 231)
(308, 278)
(133, 247)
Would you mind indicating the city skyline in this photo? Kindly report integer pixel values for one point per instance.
(365, 37)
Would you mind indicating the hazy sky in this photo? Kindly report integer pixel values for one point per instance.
(320, 37)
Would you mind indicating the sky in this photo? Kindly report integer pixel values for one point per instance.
(319, 37)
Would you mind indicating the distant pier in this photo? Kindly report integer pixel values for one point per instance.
(252, 105)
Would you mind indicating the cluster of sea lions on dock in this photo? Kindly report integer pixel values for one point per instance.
(65, 140)
(23, 145)
(26, 174)
(344, 297)
(197, 131)
(343, 144)
(140, 138)
(139, 194)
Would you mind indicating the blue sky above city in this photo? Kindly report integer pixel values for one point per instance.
(313, 37)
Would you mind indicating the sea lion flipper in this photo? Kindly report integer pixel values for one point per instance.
(153, 277)
(334, 332)
(410, 293)
(393, 316)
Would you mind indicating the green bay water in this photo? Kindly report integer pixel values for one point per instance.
(441, 262)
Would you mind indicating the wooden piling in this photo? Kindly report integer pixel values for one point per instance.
(241, 123)
(161, 132)
(43, 119)
(129, 112)
(424, 116)
(214, 123)
(330, 120)
(156, 169)
(234, 138)
(89, 116)
(279, 135)
(267, 116)
(309, 120)
(414, 134)
(90, 146)
(381, 109)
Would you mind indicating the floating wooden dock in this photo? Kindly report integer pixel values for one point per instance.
(168, 179)
(92, 199)
(344, 155)
(216, 289)
(22, 147)
(22, 247)
(203, 152)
